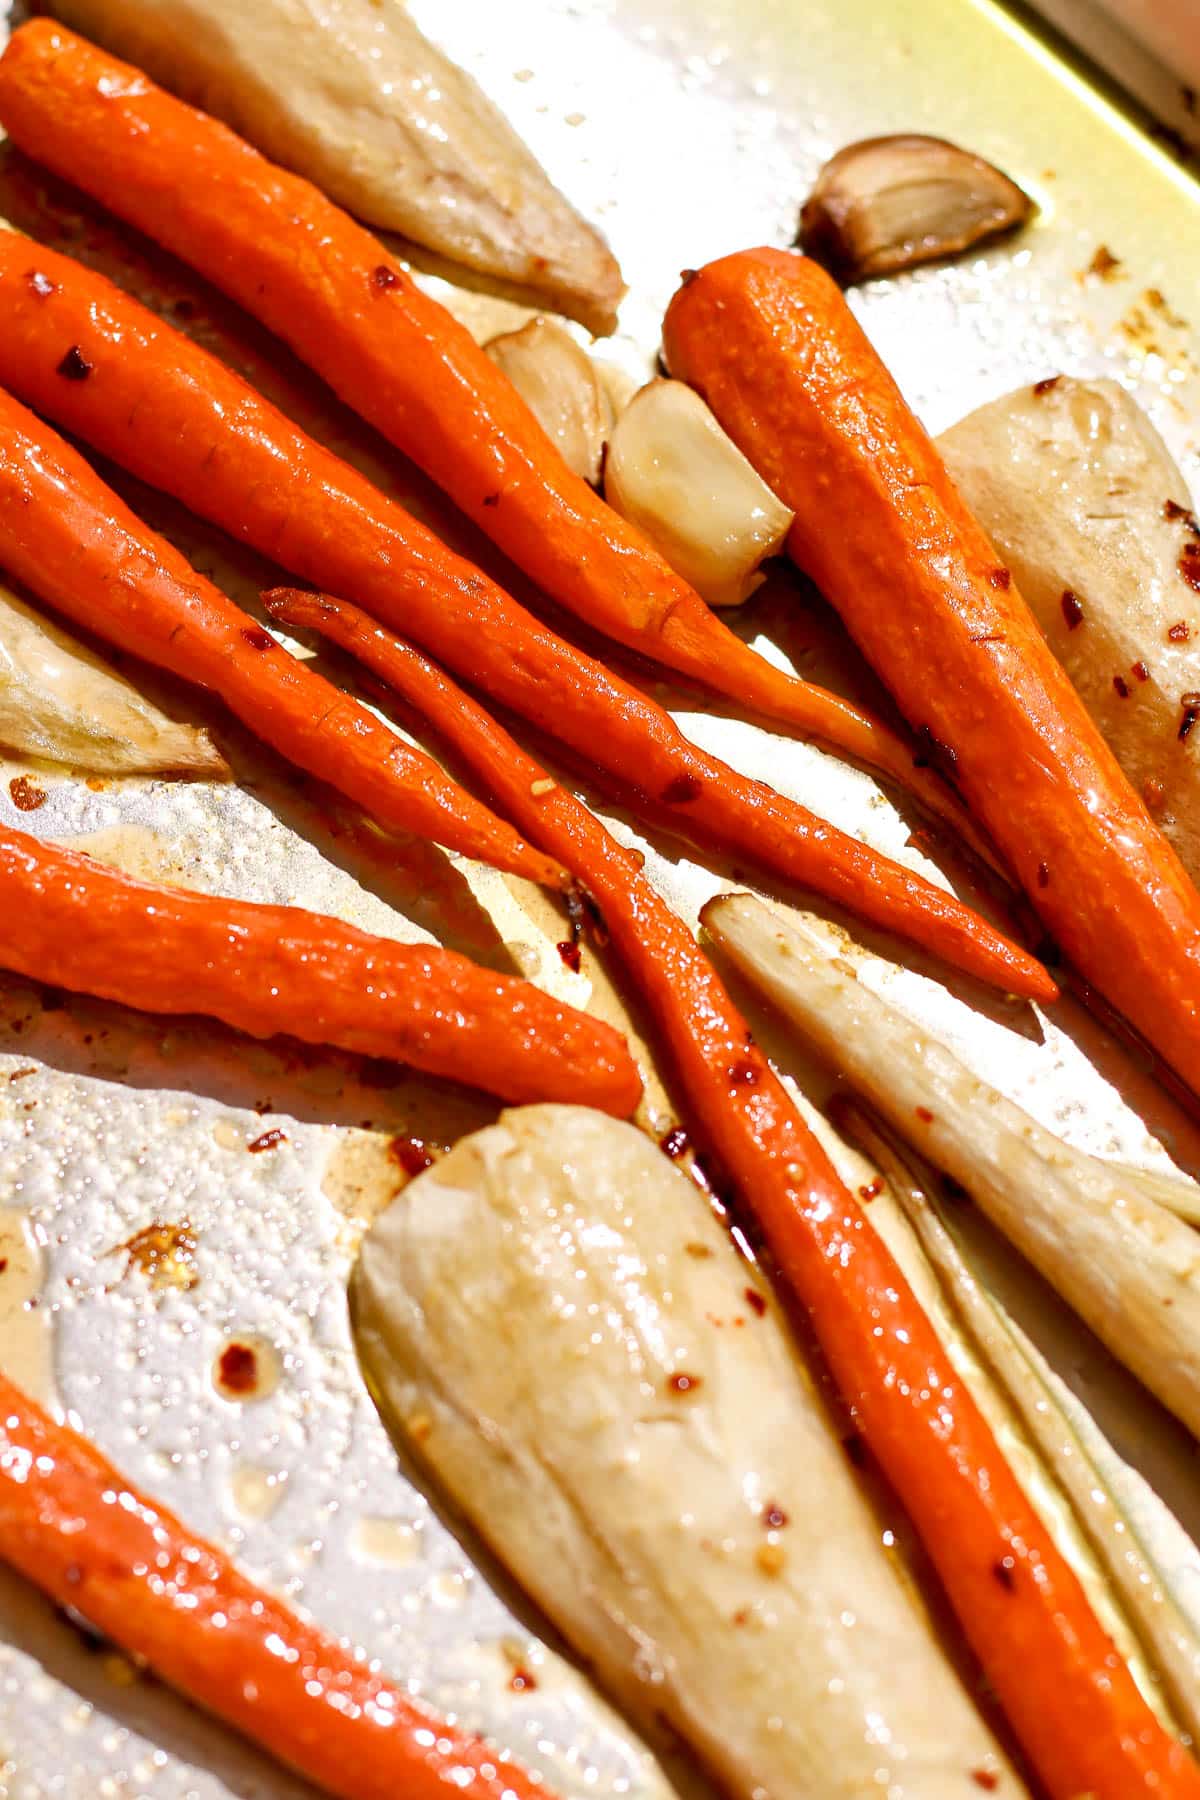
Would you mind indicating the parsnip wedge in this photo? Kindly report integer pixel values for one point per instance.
(60, 704)
(565, 1336)
(1054, 1425)
(1083, 501)
(1129, 1267)
(352, 95)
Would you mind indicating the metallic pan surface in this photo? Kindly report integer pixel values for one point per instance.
(685, 130)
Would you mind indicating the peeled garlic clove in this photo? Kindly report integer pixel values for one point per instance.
(60, 704)
(889, 203)
(672, 471)
(558, 383)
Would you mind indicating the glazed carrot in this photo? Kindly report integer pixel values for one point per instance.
(159, 404)
(1069, 1697)
(324, 284)
(769, 340)
(77, 546)
(69, 921)
(73, 1526)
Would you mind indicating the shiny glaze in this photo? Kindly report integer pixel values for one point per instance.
(354, 96)
(171, 413)
(136, 1574)
(312, 275)
(73, 923)
(770, 342)
(643, 1450)
(1069, 1696)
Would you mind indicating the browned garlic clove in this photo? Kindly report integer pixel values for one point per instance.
(672, 471)
(558, 383)
(889, 203)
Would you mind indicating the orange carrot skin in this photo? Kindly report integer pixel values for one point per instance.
(298, 262)
(75, 1528)
(1070, 1698)
(69, 538)
(75, 924)
(160, 405)
(769, 340)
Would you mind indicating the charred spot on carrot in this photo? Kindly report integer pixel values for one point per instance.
(680, 789)
(384, 278)
(258, 638)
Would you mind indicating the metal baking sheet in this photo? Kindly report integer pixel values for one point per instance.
(685, 130)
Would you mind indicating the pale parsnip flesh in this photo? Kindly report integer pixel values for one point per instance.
(353, 96)
(1129, 1267)
(1165, 1643)
(60, 704)
(559, 384)
(1085, 505)
(563, 1333)
(674, 473)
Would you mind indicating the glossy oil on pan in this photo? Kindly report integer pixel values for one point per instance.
(168, 1192)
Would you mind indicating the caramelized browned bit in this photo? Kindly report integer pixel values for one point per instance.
(755, 1301)
(683, 1383)
(888, 203)
(75, 365)
(1104, 264)
(1045, 385)
(673, 1143)
(165, 1254)
(1121, 686)
(1172, 510)
(1189, 565)
(26, 795)
(571, 955)
(680, 789)
(1179, 633)
(1141, 671)
(924, 1114)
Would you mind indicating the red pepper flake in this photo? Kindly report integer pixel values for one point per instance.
(412, 1154)
(1141, 671)
(683, 1383)
(673, 1143)
(680, 790)
(754, 1301)
(1045, 384)
(41, 284)
(986, 1779)
(924, 1114)
(871, 1189)
(1189, 565)
(1179, 633)
(258, 638)
(1072, 608)
(237, 1369)
(774, 1517)
(1005, 1572)
(1043, 875)
(75, 365)
(26, 795)
(384, 278)
(267, 1141)
(1122, 686)
(1000, 577)
(1191, 712)
(933, 754)
(743, 1074)
(570, 954)
(522, 1682)
(491, 499)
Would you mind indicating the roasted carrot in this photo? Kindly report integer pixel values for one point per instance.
(74, 1527)
(324, 284)
(1068, 1695)
(159, 404)
(76, 924)
(74, 544)
(768, 339)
